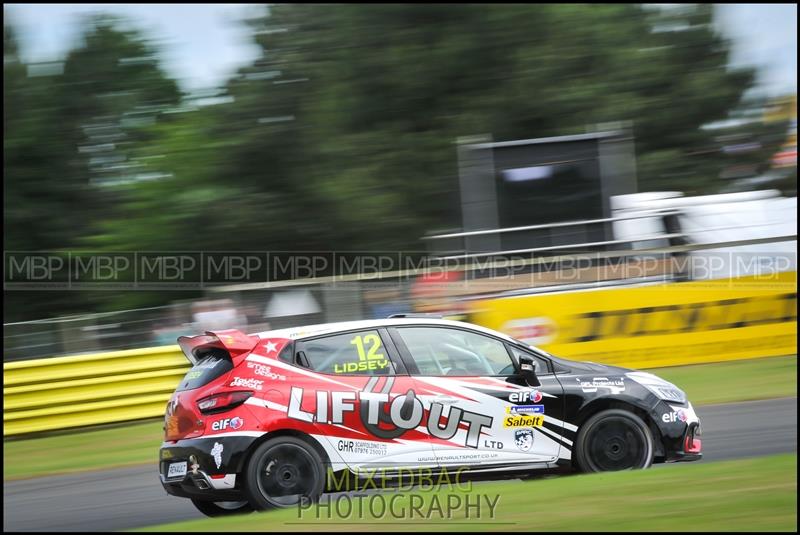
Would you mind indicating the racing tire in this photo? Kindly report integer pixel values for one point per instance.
(613, 440)
(283, 471)
(213, 509)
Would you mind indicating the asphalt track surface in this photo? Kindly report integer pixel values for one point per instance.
(132, 497)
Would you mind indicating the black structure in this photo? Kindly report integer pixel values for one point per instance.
(540, 183)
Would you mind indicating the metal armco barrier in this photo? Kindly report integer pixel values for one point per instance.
(76, 391)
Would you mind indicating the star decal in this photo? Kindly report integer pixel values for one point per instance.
(271, 346)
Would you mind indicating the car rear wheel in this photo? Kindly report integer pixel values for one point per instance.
(613, 440)
(222, 508)
(282, 472)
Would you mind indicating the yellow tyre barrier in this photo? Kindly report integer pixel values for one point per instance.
(649, 326)
(64, 392)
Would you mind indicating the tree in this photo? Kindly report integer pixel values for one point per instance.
(341, 136)
(389, 88)
(65, 136)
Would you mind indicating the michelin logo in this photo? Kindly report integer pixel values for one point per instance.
(525, 409)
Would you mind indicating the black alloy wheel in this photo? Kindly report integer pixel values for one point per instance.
(614, 440)
(282, 472)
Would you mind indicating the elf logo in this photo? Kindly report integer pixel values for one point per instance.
(674, 416)
(533, 396)
(232, 423)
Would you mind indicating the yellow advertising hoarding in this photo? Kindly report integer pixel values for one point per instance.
(649, 326)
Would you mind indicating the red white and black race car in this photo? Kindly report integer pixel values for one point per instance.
(260, 420)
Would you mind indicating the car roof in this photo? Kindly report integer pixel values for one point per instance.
(307, 331)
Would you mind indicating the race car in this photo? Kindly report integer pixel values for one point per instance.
(261, 421)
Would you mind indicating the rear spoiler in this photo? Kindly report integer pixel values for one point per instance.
(231, 340)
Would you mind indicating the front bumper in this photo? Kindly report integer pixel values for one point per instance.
(692, 445)
(679, 430)
(214, 465)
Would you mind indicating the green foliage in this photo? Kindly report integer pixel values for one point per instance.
(376, 95)
(341, 136)
(66, 134)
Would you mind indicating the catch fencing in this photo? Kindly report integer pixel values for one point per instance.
(648, 322)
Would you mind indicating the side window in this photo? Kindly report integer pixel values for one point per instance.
(361, 353)
(454, 352)
(287, 353)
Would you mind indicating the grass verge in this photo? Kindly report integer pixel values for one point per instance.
(743, 495)
(85, 450)
(137, 444)
(740, 380)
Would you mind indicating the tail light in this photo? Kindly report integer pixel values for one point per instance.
(222, 402)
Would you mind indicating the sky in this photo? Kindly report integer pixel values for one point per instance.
(202, 44)
(764, 35)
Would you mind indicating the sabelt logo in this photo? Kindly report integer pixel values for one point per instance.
(536, 420)
(228, 423)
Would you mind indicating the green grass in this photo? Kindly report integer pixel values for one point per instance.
(742, 380)
(138, 444)
(744, 495)
(86, 450)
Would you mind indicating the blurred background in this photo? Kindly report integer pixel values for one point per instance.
(320, 128)
(614, 183)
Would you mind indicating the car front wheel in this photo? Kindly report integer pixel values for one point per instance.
(613, 440)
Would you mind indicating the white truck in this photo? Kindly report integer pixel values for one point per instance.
(765, 216)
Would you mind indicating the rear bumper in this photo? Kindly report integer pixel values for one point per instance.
(203, 487)
(214, 465)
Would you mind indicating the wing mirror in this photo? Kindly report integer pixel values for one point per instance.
(302, 360)
(527, 368)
